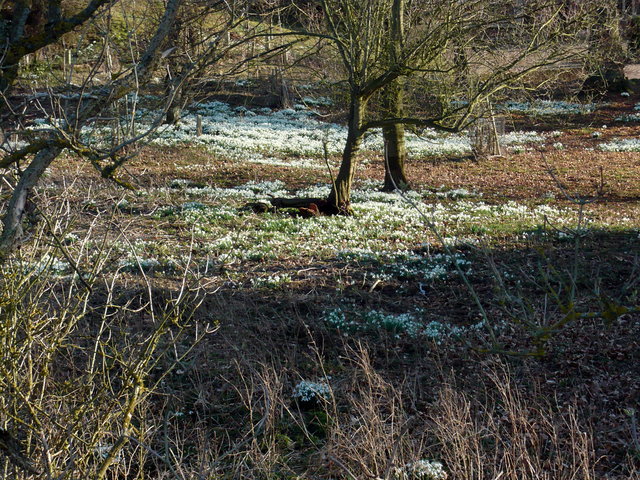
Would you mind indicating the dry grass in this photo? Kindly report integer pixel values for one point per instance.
(509, 437)
(369, 433)
(69, 356)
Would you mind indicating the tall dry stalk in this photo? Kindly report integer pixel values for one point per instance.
(371, 438)
(510, 438)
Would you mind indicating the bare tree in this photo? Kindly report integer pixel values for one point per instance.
(379, 42)
(41, 150)
(185, 39)
(199, 39)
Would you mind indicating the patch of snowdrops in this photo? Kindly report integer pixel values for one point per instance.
(548, 107)
(294, 137)
(49, 265)
(349, 321)
(621, 145)
(420, 470)
(384, 224)
(387, 235)
(630, 117)
(308, 391)
(407, 265)
(271, 281)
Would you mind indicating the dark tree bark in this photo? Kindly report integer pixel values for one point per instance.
(16, 43)
(12, 221)
(395, 150)
(340, 194)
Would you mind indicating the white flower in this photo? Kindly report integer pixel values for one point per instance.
(421, 470)
(272, 281)
(307, 391)
(621, 145)
(548, 107)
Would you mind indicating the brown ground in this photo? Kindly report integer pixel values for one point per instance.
(590, 365)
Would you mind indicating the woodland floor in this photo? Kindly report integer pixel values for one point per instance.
(590, 365)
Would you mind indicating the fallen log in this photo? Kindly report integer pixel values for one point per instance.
(307, 207)
(318, 205)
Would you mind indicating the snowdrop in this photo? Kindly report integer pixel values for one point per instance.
(291, 137)
(49, 264)
(621, 145)
(421, 470)
(382, 220)
(352, 321)
(272, 281)
(308, 391)
(548, 107)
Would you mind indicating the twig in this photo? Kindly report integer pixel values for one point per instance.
(343, 466)
(63, 250)
(447, 249)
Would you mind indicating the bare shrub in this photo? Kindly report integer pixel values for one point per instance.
(509, 437)
(372, 437)
(76, 375)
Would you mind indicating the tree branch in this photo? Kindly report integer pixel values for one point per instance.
(53, 32)
(32, 148)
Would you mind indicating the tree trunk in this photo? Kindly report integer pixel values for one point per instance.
(393, 98)
(174, 114)
(12, 32)
(395, 150)
(340, 196)
(175, 94)
(12, 221)
(395, 176)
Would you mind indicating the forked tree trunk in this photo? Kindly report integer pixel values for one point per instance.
(395, 150)
(340, 196)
